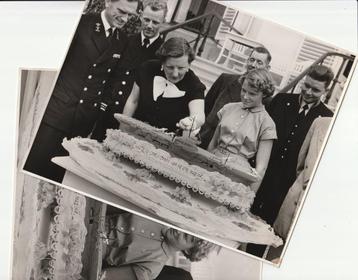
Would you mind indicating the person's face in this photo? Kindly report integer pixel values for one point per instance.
(175, 68)
(151, 22)
(179, 240)
(312, 90)
(250, 97)
(118, 12)
(257, 61)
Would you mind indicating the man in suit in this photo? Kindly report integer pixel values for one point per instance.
(75, 103)
(293, 115)
(141, 47)
(226, 89)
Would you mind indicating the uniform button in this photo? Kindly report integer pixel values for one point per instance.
(285, 149)
(292, 133)
(122, 228)
(132, 228)
(282, 156)
(109, 70)
(117, 102)
(95, 104)
(127, 72)
(90, 77)
(123, 82)
(120, 92)
(152, 234)
(104, 81)
(142, 231)
(99, 93)
(85, 88)
(81, 101)
(94, 65)
(288, 141)
(296, 125)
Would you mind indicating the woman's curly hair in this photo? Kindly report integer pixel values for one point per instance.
(200, 250)
(261, 80)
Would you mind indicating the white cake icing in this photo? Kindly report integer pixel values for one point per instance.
(211, 184)
(158, 195)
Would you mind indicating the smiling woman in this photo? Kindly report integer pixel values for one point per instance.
(245, 129)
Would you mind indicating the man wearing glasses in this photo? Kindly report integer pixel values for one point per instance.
(293, 115)
(77, 98)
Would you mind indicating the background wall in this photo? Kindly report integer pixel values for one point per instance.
(324, 245)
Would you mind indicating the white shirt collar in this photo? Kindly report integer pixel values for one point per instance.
(310, 105)
(151, 40)
(106, 24)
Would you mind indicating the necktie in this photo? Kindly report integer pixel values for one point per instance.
(110, 32)
(146, 42)
(304, 109)
(303, 112)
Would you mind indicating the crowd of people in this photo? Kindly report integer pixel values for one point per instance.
(106, 72)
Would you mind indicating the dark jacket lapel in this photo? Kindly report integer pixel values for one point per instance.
(234, 90)
(98, 34)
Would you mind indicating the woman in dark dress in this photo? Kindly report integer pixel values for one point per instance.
(166, 93)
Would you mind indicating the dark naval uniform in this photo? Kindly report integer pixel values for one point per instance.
(123, 81)
(292, 129)
(78, 95)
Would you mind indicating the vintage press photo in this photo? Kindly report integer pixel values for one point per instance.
(62, 234)
(194, 113)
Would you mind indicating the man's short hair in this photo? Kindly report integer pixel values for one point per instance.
(321, 73)
(263, 50)
(156, 5)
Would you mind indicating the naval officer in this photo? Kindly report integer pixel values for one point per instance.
(77, 98)
(141, 47)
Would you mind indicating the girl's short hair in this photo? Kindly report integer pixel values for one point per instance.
(261, 80)
(175, 47)
(200, 250)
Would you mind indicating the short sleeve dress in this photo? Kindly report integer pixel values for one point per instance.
(241, 129)
(161, 111)
(135, 241)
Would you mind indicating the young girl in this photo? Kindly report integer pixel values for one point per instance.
(138, 248)
(245, 129)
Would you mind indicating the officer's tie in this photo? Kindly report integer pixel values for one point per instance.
(112, 34)
(302, 114)
(146, 43)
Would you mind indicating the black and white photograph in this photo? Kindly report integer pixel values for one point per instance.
(196, 114)
(62, 234)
